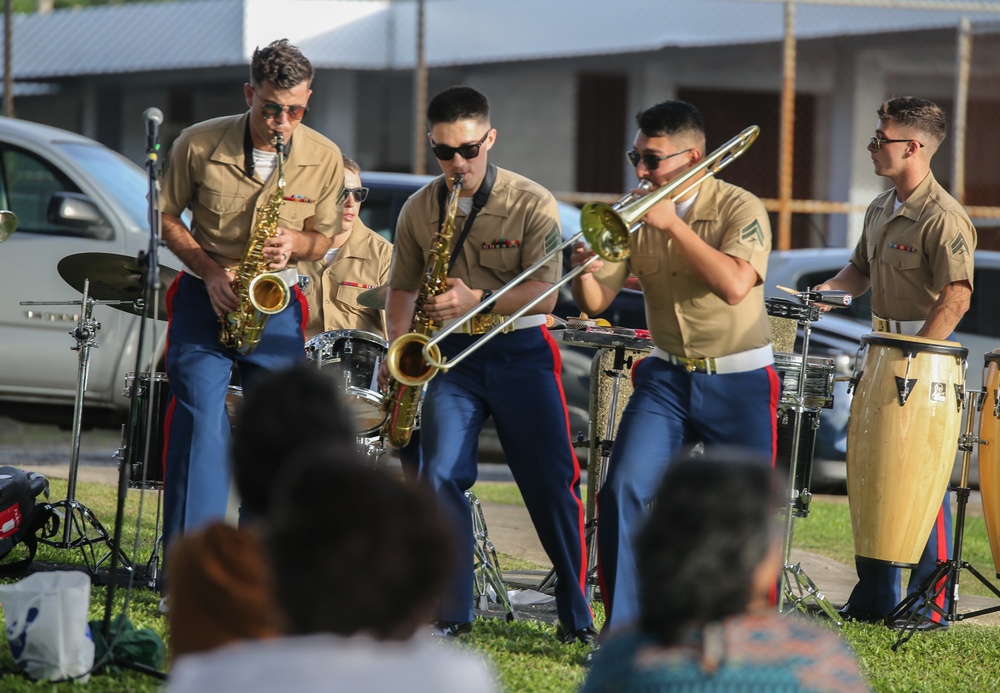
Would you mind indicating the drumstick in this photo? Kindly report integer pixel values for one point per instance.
(793, 292)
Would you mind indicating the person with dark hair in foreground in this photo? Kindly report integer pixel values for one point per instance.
(219, 587)
(708, 557)
(359, 559)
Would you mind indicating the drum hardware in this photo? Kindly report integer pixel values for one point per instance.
(115, 278)
(917, 606)
(487, 573)
(74, 516)
(797, 591)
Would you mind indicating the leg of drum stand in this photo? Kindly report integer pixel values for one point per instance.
(804, 591)
(597, 470)
(487, 571)
(917, 606)
(75, 516)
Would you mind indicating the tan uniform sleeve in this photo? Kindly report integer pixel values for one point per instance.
(951, 244)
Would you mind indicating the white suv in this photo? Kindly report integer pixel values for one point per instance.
(71, 195)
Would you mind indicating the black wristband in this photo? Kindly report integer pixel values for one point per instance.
(486, 294)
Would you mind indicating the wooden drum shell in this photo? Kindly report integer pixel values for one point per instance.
(989, 454)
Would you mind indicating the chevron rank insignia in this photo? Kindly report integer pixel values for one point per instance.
(752, 233)
(958, 246)
(552, 238)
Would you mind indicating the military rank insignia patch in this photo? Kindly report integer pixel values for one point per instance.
(752, 234)
(553, 238)
(958, 246)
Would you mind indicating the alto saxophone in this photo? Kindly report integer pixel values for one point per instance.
(260, 291)
(408, 368)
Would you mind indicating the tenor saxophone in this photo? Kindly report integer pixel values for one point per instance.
(260, 291)
(408, 369)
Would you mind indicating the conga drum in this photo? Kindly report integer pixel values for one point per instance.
(902, 438)
(989, 455)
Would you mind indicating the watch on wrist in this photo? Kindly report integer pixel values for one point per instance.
(486, 294)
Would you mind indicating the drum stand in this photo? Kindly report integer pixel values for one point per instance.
(78, 521)
(917, 606)
(797, 592)
(487, 567)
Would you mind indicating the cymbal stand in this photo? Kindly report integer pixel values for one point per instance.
(797, 590)
(917, 606)
(487, 566)
(597, 472)
(76, 517)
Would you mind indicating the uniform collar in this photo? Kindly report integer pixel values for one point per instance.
(706, 204)
(914, 206)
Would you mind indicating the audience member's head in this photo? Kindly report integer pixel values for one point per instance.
(285, 410)
(353, 549)
(708, 549)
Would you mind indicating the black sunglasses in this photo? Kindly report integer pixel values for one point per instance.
(446, 153)
(877, 142)
(360, 194)
(652, 161)
(273, 111)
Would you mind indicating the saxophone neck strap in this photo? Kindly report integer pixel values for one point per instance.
(478, 202)
(248, 165)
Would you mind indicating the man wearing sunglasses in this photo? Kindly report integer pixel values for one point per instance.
(505, 224)
(701, 261)
(358, 260)
(916, 255)
(223, 170)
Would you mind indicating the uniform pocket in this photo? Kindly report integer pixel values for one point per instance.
(500, 259)
(645, 265)
(901, 259)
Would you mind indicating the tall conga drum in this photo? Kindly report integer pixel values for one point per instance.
(902, 438)
(989, 454)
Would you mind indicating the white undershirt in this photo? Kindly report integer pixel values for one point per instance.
(683, 207)
(264, 163)
(330, 254)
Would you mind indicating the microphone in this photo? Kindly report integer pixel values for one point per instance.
(153, 117)
(830, 297)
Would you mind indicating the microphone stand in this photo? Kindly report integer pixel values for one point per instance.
(150, 265)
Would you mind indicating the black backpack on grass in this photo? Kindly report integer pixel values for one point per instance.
(20, 516)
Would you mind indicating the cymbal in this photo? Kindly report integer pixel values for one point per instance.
(374, 298)
(114, 278)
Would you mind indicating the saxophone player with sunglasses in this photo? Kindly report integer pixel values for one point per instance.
(502, 224)
(263, 184)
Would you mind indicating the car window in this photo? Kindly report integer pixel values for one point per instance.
(380, 209)
(113, 172)
(983, 316)
(30, 184)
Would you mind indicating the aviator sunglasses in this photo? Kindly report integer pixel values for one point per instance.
(273, 111)
(360, 194)
(468, 151)
(652, 161)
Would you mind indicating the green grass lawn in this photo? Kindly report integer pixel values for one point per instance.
(526, 654)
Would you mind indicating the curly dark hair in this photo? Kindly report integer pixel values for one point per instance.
(282, 64)
(355, 550)
(711, 526)
(917, 114)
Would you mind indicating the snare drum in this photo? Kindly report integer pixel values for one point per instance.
(989, 455)
(150, 392)
(820, 373)
(353, 357)
(902, 437)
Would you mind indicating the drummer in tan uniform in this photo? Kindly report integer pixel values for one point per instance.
(358, 260)
(916, 255)
(505, 224)
(701, 263)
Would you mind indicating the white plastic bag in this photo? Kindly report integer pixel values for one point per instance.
(46, 620)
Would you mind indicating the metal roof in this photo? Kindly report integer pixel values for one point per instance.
(380, 34)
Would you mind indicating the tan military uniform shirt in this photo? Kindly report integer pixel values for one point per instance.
(360, 264)
(206, 172)
(685, 318)
(518, 224)
(914, 252)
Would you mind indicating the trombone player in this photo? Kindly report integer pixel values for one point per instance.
(701, 261)
(504, 224)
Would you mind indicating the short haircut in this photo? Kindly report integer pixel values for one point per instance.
(917, 114)
(285, 409)
(355, 550)
(352, 165)
(671, 118)
(282, 64)
(458, 103)
(711, 526)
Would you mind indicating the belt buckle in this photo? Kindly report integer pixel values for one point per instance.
(881, 325)
(690, 365)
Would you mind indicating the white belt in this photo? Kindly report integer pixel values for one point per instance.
(520, 323)
(908, 327)
(734, 363)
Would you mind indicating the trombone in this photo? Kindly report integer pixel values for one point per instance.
(607, 229)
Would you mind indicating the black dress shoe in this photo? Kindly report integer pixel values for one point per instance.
(921, 624)
(849, 613)
(586, 635)
(450, 629)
